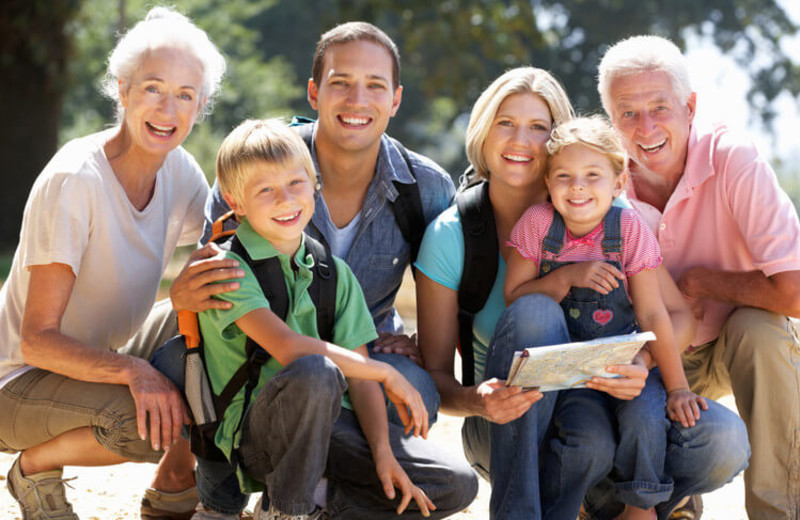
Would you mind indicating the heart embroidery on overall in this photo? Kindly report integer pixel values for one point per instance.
(602, 316)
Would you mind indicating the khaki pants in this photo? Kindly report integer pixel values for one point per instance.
(757, 358)
(40, 405)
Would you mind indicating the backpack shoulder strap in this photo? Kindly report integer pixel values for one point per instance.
(323, 286)
(407, 207)
(480, 266)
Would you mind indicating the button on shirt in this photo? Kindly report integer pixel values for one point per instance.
(727, 212)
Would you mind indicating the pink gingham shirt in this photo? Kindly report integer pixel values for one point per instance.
(727, 212)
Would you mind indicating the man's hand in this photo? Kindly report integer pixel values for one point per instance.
(402, 344)
(502, 404)
(194, 287)
(157, 398)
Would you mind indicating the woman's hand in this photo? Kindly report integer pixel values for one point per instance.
(194, 287)
(408, 403)
(157, 398)
(684, 406)
(626, 387)
(502, 404)
(392, 475)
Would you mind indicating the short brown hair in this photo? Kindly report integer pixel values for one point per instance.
(259, 141)
(354, 32)
(592, 132)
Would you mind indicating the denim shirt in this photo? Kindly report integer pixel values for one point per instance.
(379, 254)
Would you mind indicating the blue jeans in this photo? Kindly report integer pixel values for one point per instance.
(217, 485)
(592, 434)
(508, 453)
(575, 458)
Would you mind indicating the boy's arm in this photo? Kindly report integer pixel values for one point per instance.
(370, 410)
(651, 314)
(521, 278)
(285, 345)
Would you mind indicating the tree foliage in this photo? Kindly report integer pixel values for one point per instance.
(451, 50)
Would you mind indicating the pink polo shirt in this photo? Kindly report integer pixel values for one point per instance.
(727, 212)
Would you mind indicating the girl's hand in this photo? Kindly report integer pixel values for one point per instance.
(600, 276)
(626, 387)
(684, 406)
(502, 404)
(408, 402)
(392, 475)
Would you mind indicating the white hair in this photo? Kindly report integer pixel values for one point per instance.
(164, 28)
(640, 54)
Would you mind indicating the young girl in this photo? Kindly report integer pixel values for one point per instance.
(597, 260)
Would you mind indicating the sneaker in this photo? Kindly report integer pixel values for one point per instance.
(40, 496)
(690, 508)
(202, 513)
(274, 514)
(158, 505)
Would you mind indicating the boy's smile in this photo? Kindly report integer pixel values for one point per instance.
(278, 202)
(582, 185)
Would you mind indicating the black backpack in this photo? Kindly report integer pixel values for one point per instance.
(407, 207)
(270, 277)
(480, 267)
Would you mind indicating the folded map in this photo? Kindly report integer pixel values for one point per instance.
(571, 365)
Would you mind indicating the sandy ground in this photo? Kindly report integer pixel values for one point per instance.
(114, 493)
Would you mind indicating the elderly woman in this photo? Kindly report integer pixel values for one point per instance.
(100, 225)
(509, 127)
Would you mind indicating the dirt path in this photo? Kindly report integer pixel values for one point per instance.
(114, 493)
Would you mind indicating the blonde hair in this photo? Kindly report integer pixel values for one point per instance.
(640, 54)
(253, 143)
(164, 28)
(592, 132)
(522, 80)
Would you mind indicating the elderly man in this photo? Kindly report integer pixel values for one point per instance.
(730, 237)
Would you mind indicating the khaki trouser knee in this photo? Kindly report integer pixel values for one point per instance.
(757, 358)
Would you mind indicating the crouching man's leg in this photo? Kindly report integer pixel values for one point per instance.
(760, 353)
(355, 491)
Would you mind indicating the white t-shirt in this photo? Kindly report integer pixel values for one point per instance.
(78, 214)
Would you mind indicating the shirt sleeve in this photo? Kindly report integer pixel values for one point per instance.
(763, 211)
(57, 220)
(247, 298)
(441, 254)
(353, 324)
(640, 246)
(530, 230)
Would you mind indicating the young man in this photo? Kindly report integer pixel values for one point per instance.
(730, 237)
(355, 89)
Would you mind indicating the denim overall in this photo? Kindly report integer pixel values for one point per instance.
(641, 423)
(590, 314)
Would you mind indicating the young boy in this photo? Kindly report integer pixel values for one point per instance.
(299, 426)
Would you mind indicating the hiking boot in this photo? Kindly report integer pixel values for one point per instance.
(158, 505)
(40, 496)
(202, 513)
(274, 514)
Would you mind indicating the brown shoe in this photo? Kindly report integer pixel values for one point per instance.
(690, 508)
(40, 496)
(158, 505)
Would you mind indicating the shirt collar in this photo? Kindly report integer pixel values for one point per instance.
(260, 248)
(390, 167)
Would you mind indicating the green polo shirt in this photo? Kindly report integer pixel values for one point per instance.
(225, 342)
